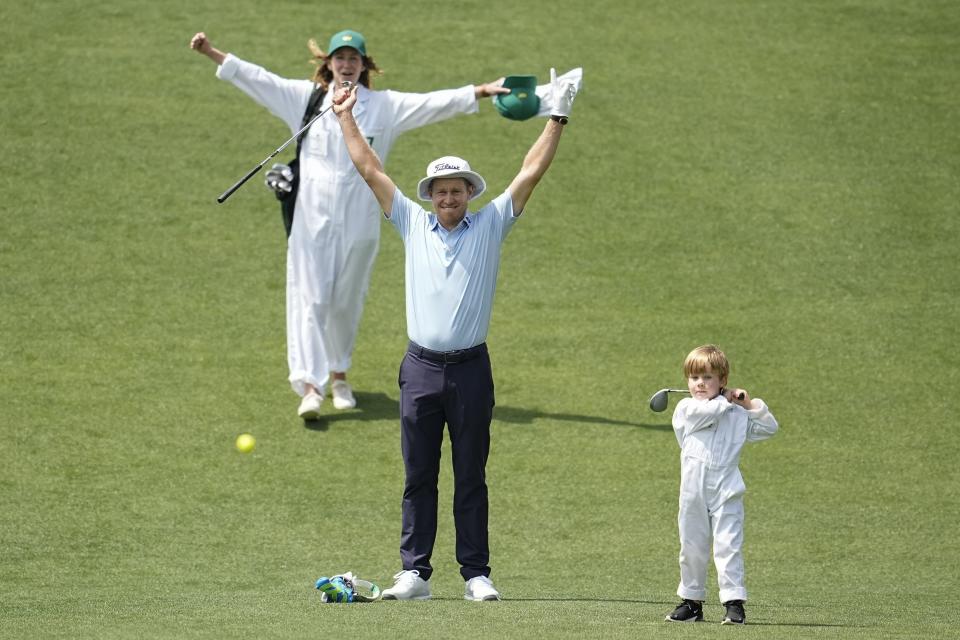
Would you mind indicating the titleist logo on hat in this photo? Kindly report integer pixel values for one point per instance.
(450, 167)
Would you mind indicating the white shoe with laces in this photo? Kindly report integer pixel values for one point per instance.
(480, 589)
(342, 395)
(310, 406)
(408, 585)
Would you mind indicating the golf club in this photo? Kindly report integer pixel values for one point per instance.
(226, 194)
(658, 401)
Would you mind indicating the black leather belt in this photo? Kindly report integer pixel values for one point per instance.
(447, 357)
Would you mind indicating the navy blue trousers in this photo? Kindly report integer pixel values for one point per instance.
(458, 393)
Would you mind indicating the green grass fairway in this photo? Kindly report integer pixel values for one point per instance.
(781, 178)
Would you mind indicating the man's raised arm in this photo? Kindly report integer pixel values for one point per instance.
(541, 154)
(364, 158)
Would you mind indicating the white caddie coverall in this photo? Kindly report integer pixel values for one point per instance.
(711, 434)
(336, 224)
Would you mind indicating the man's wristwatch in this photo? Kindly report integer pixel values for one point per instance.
(560, 119)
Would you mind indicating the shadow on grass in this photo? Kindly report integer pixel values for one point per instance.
(805, 624)
(514, 415)
(380, 406)
(667, 604)
(370, 406)
(571, 599)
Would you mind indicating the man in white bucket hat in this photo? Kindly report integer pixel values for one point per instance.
(451, 264)
(450, 167)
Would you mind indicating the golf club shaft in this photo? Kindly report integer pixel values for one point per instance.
(226, 194)
(740, 395)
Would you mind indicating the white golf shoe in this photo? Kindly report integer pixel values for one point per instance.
(408, 585)
(310, 406)
(342, 395)
(479, 589)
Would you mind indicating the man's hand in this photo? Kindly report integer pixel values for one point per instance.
(279, 178)
(563, 93)
(344, 98)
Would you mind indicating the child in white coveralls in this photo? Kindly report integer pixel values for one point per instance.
(712, 426)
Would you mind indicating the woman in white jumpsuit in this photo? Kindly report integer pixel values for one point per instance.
(336, 225)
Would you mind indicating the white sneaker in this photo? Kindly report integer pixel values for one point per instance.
(310, 406)
(342, 395)
(408, 586)
(480, 588)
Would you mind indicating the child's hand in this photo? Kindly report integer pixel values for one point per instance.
(738, 396)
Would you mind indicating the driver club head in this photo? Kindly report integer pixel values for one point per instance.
(659, 400)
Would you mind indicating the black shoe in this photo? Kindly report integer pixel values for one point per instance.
(687, 611)
(735, 614)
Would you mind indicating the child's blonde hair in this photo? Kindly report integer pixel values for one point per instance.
(708, 357)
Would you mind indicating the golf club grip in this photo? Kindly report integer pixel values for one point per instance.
(740, 396)
(226, 194)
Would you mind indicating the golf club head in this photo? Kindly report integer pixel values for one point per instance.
(659, 400)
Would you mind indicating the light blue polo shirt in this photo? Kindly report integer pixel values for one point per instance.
(451, 276)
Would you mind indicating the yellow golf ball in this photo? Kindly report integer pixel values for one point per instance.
(246, 443)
